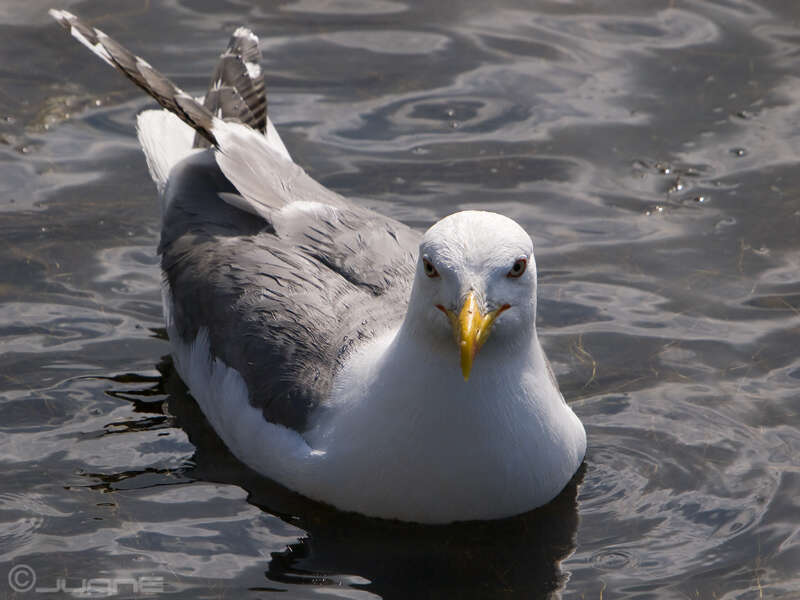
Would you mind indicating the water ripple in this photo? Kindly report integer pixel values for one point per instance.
(650, 148)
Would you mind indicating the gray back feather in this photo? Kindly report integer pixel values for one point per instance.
(286, 310)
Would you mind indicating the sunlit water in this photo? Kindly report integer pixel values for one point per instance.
(652, 149)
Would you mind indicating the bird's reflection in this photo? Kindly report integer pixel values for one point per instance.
(518, 556)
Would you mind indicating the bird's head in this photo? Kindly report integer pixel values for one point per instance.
(476, 276)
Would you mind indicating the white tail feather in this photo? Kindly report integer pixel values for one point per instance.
(275, 141)
(165, 140)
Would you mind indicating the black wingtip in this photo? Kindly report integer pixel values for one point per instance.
(139, 71)
(236, 91)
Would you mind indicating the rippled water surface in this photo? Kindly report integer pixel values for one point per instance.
(651, 148)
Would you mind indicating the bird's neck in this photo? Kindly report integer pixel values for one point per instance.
(497, 371)
(413, 377)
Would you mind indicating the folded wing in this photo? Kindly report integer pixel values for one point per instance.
(287, 277)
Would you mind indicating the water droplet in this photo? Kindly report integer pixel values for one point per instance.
(612, 559)
(725, 223)
(678, 186)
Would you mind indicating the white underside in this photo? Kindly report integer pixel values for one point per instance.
(385, 457)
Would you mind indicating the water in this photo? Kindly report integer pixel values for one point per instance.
(651, 148)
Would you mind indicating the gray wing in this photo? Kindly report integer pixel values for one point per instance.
(284, 310)
(287, 276)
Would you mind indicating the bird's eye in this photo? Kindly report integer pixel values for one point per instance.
(429, 269)
(519, 267)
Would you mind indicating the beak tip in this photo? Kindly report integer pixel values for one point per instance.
(466, 365)
(472, 328)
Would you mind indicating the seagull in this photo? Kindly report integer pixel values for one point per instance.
(334, 349)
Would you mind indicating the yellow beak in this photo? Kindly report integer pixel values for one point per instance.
(471, 329)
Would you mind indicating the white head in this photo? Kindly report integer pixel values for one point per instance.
(475, 274)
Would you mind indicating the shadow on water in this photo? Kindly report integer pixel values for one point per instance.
(509, 557)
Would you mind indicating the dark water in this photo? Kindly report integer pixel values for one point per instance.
(650, 147)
